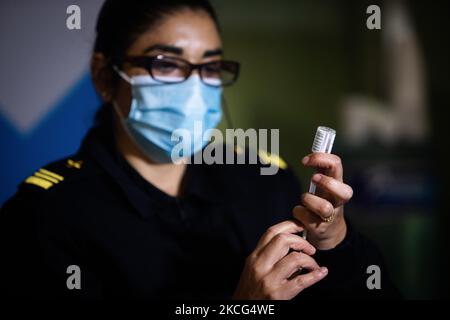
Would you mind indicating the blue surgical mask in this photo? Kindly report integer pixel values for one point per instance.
(157, 109)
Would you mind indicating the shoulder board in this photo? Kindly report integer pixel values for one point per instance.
(55, 173)
(265, 157)
(272, 159)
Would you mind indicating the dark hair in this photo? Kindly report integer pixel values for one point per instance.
(121, 22)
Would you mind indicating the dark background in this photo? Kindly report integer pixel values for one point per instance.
(300, 59)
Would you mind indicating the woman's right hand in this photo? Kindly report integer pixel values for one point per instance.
(270, 270)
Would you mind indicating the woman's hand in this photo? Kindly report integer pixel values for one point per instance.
(322, 214)
(270, 272)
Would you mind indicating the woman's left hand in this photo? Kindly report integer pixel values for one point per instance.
(322, 214)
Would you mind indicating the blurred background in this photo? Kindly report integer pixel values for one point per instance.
(305, 63)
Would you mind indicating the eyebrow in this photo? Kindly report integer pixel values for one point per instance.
(179, 51)
(215, 52)
(165, 48)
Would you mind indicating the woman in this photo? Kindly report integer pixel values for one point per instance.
(120, 219)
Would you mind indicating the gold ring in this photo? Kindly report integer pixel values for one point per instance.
(330, 218)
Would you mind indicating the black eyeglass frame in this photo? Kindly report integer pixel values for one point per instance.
(146, 62)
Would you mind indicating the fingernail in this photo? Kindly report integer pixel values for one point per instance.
(323, 270)
(305, 160)
(316, 177)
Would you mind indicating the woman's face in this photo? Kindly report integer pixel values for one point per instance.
(187, 34)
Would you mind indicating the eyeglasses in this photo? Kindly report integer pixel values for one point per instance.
(175, 70)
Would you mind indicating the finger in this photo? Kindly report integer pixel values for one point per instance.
(288, 226)
(323, 208)
(328, 163)
(309, 219)
(279, 247)
(339, 190)
(290, 264)
(293, 287)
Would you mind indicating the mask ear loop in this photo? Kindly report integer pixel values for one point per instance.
(122, 74)
(227, 113)
(116, 108)
(228, 120)
(126, 78)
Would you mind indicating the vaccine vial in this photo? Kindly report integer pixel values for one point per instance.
(323, 142)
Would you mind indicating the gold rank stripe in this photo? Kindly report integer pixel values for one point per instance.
(45, 184)
(44, 179)
(51, 174)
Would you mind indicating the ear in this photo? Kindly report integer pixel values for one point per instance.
(102, 76)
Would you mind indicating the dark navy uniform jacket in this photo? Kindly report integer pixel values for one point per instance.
(130, 239)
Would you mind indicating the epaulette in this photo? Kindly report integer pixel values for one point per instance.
(272, 159)
(266, 158)
(55, 173)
